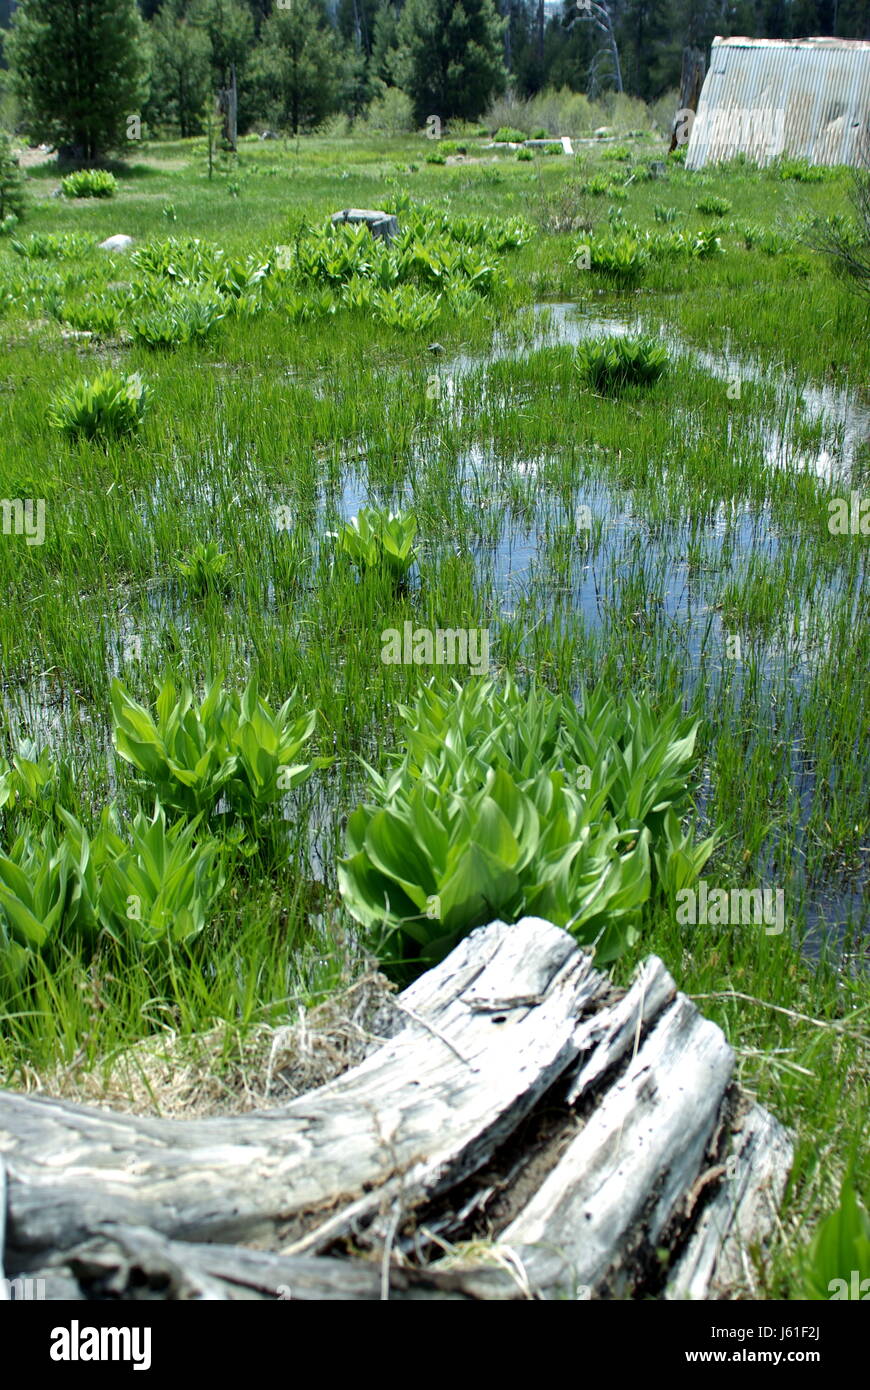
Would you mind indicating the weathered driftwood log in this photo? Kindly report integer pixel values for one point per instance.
(523, 1111)
(380, 224)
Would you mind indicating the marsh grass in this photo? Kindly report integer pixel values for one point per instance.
(624, 539)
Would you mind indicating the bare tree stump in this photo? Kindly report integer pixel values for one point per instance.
(380, 224)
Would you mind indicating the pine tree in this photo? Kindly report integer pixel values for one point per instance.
(299, 65)
(79, 69)
(450, 56)
(180, 73)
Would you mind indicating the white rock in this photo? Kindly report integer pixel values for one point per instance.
(117, 243)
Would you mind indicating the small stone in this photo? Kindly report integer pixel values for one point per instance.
(120, 242)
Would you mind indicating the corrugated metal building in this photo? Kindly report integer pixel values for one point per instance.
(805, 98)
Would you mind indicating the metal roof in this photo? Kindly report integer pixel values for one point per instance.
(807, 98)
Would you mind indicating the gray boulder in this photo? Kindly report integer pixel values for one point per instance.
(120, 242)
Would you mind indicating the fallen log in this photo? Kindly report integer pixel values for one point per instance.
(525, 1130)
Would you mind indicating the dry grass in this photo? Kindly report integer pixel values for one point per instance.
(227, 1072)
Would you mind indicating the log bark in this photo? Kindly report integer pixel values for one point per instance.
(520, 1102)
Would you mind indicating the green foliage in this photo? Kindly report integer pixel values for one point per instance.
(435, 254)
(205, 568)
(506, 135)
(502, 804)
(54, 246)
(611, 364)
(159, 887)
(380, 541)
(713, 205)
(449, 57)
(435, 157)
(95, 316)
(78, 78)
(525, 156)
(111, 404)
(180, 73)
(297, 65)
(59, 890)
(661, 213)
(801, 170)
(705, 244)
(619, 256)
(406, 308)
(766, 239)
(230, 745)
(31, 784)
(48, 895)
(840, 1246)
(619, 153)
(89, 183)
(183, 316)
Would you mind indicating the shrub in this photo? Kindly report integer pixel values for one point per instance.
(435, 157)
(407, 308)
(54, 246)
(187, 316)
(94, 316)
(378, 540)
(801, 170)
(611, 364)
(705, 244)
(501, 803)
(111, 404)
(48, 897)
(159, 887)
(89, 183)
(190, 756)
(621, 257)
(391, 112)
(60, 890)
(205, 568)
(507, 135)
(713, 206)
(620, 153)
(525, 156)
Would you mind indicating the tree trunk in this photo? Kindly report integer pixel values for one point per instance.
(515, 1100)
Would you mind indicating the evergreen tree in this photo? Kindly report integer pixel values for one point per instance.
(385, 41)
(450, 56)
(79, 70)
(299, 64)
(180, 72)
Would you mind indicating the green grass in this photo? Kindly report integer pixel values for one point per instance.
(625, 539)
